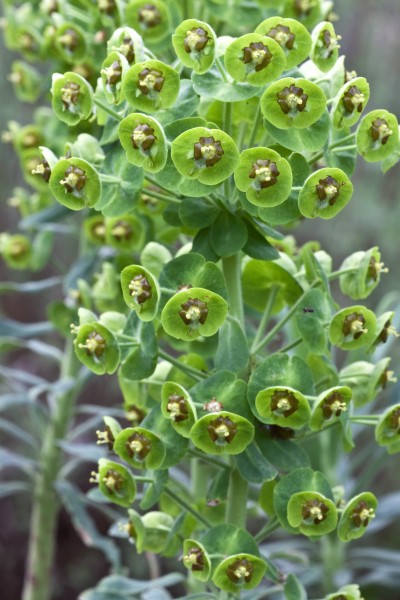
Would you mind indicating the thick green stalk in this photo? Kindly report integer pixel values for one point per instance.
(231, 266)
(237, 499)
(38, 578)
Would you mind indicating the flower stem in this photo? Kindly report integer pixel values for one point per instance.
(231, 267)
(254, 129)
(107, 109)
(187, 507)
(265, 318)
(221, 69)
(192, 371)
(164, 197)
(237, 499)
(46, 504)
(268, 528)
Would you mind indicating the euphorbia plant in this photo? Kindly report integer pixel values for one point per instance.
(190, 154)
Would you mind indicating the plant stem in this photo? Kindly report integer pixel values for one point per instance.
(187, 507)
(107, 109)
(164, 197)
(269, 528)
(284, 319)
(38, 578)
(343, 148)
(265, 318)
(254, 129)
(231, 267)
(291, 345)
(221, 69)
(155, 183)
(208, 459)
(336, 274)
(237, 499)
(192, 371)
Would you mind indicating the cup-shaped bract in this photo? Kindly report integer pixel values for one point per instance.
(283, 406)
(110, 432)
(196, 559)
(116, 482)
(352, 327)
(292, 36)
(312, 513)
(75, 183)
(349, 102)
(140, 448)
(194, 43)
(387, 429)
(151, 85)
(357, 515)
(377, 135)
(113, 70)
(135, 530)
(330, 405)
(264, 175)
(209, 155)
(149, 18)
(347, 592)
(291, 102)
(239, 572)
(126, 233)
(127, 42)
(309, 12)
(325, 47)
(384, 329)
(16, 251)
(222, 433)
(325, 193)
(70, 41)
(97, 348)
(367, 267)
(255, 59)
(140, 291)
(72, 97)
(178, 407)
(192, 313)
(144, 142)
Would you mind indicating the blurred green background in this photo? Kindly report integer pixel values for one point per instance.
(370, 32)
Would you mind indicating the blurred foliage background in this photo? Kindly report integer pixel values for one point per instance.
(370, 39)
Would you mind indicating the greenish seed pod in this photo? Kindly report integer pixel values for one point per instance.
(325, 193)
(292, 36)
(126, 233)
(291, 102)
(352, 327)
(350, 102)
(264, 175)
(357, 515)
(254, 59)
(209, 155)
(151, 19)
(113, 70)
(151, 85)
(239, 572)
(196, 559)
(325, 47)
(194, 43)
(140, 448)
(329, 406)
(377, 135)
(115, 482)
(72, 98)
(97, 348)
(192, 313)
(283, 406)
(144, 142)
(222, 433)
(366, 276)
(75, 183)
(140, 291)
(312, 513)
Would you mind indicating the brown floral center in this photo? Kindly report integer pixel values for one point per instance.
(194, 559)
(328, 190)
(43, 169)
(107, 6)
(113, 481)
(143, 137)
(284, 403)
(240, 571)
(94, 344)
(69, 40)
(222, 430)
(304, 7)
(127, 49)
(150, 81)
(333, 405)
(208, 151)
(113, 73)
(74, 179)
(70, 95)
(362, 514)
(283, 36)
(196, 40)
(122, 230)
(177, 408)
(138, 446)
(257, 56)
(353, 99)
(354, 325)
(314, 511)
(140, 289)
(265, 172)
(193, 312)
(149, 16)
(380, 131)
(292, 100)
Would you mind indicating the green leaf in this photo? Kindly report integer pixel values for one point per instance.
(74, 502)
(10, 488)
(311, 139)
(294, 589)
(253, 466)
(175, 444)
(152, 491)
(257, 246)
(284, 454)
(29, 287)
(117, 587)
(141, 360)
(185, 105)
(198, 212)
(311, 317)
(233, 349)
(211, 85)
(228, 234)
